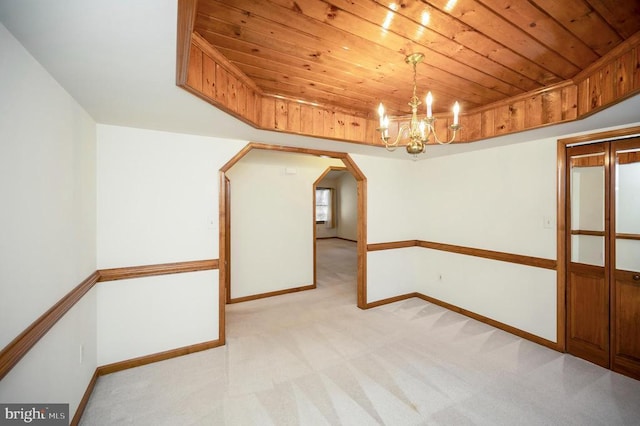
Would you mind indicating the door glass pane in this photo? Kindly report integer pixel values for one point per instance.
(587, 209)
(627, 199)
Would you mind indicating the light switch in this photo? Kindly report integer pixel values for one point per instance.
(547, 222)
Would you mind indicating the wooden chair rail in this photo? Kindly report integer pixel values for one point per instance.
(158, 269)
(18, 347)
(469, 251)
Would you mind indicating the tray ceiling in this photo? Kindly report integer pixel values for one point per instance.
(351, 54)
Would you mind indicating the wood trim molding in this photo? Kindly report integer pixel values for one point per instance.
(186, 19)
(497, 324)
(628, 236)
(536, 262)
(18, 347)
(361, 231)
(157, 269)
(271, 294)
(390, 300)
(326, 172)
(344, 239)
(392, 245)
(269, 147)
(224, 251)
(487, 254)
(481, 318)
(137, 362)
(85, 399)
(561, 245)
(586, 232)
(600, 136)
(160, 356)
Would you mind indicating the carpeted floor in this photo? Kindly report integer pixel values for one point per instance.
(314, 358)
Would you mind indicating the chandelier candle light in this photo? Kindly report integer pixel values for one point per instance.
(418, 130)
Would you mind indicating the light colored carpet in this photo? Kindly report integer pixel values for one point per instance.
(314, 358)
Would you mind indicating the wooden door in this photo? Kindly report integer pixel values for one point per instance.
(588, 292)
(625, 249)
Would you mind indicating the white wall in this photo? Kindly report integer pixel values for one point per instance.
(390, 216)
(348, 207)
(157, 203)
(493, 199)
(390, 198)
(392, 272)
(272, 220)
(48, 216)
(517, 295)
(158, 195)
(143, 316)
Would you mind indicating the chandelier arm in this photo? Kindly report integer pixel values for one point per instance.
(432, 130)
(391, 146)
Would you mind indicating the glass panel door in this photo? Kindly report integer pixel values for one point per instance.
(626, 274)
(587, 209)
(587, 284)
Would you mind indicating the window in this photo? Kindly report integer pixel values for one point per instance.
(323, 205)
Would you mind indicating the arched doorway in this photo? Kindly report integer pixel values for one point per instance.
(225, 260)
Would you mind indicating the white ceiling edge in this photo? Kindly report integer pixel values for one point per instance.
(117, 58)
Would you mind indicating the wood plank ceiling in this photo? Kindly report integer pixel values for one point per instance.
(351, 53)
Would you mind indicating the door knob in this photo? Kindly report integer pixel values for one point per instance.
(636, 277)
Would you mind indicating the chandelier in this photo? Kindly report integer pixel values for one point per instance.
(417, 131)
